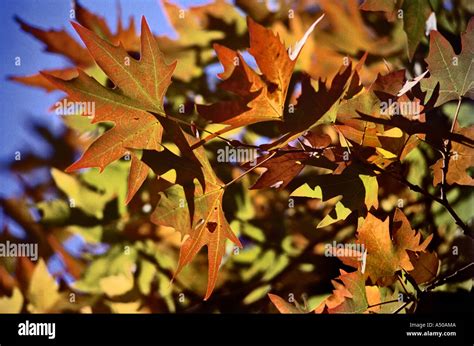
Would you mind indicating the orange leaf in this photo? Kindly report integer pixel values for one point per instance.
(139, 87)
(385, 254)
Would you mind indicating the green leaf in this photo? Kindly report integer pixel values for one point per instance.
(146, 276)
(257, 294)
(415, 14)
(454, 73)
(116, 285)
(80, 196)
(112, 182)
(113, 268)
(54, 212)
(92, 235)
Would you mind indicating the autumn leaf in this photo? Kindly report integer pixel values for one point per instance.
(460, 160)
(320, 105)
(260, 97)
(387, 252)
(206, 227)
(351, 296)
(59, 42)
(140, 87)
(327, 117)
(453, 72)
(425, 264)
(38, 80)
(282, 166)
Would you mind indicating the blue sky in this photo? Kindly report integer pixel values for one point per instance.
(20, 105)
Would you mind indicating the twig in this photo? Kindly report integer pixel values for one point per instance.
(383, 303)
(446, 154)
(445, 279)
(401, 307)
(249, 170)
(413, 283)
(441, 201)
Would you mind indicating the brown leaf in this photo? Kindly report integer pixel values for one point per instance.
(385, 254)
(425, 265)
(259, 97)
(461, 159)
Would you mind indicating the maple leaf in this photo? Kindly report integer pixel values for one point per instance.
(390, 83)
(351, 296)
(140, 87)
(260, 97)
(314, 108)
(207, 226)
(461, 159)
(186, 166)
(387, 254)
(38, 80)
(454, 73)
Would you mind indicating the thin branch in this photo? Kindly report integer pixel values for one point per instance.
(383, 303)
(401, 307)
(446, 154)
(249, 170)
(413, 283)
(445, 279)
(441, 201)
(403, 285)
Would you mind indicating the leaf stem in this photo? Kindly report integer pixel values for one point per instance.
(456, 114)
